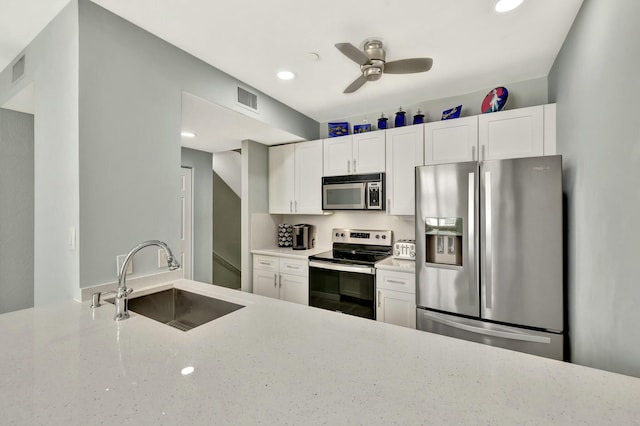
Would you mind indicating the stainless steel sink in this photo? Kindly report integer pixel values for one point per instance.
(180, 309)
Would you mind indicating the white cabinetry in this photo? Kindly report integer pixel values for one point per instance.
(516, 133)
(351, 154)
(451, 141)
(524, 132)
(396, 298)
(404, 146)
(295, 176)
(281, 278)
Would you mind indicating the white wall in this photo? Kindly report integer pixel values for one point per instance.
(51, 63)
(595, 83)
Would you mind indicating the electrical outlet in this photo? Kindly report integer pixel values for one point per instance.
(119, 260)
(162, 258)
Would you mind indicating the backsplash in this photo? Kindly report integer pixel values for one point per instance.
(403, 227)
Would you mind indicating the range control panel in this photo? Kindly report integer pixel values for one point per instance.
(362, 236)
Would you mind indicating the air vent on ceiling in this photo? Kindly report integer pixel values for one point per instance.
(18, 70)
(248, 99)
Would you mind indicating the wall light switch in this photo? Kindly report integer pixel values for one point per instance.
(119, 261)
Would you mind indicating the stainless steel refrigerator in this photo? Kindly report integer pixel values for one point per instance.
(489, 253)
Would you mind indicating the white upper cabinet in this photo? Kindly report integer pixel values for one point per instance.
(295, 178)
(451, 141)
(351, 154)
(524, 132)
(404, 146)
(368, 152)
(281, 179)
(308, 177)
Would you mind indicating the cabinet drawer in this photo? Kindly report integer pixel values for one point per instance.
(398, 281)
(294, 267)
(265, 263)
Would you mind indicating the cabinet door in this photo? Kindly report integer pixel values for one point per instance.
(281, 179)
(337, 155)
(512, 134)
(451, 141)
(404, 153)
(294, 288)
(265, 283)
(368, 152)
(395, 307)
(308, 177)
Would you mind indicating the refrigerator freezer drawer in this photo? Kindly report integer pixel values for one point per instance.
(539, 343)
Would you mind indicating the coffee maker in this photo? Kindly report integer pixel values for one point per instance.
(304, 237)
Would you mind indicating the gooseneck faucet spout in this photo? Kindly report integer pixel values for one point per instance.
(122, 293)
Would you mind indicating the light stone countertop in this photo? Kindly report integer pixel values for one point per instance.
(275, 362)
(398, 265)
(289, 252)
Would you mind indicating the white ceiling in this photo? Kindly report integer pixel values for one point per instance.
(473, 47)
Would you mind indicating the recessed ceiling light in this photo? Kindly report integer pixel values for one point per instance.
(286, 75)
(188, 134)
(187, 370)
(507, 5)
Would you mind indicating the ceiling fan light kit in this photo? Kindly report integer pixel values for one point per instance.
(373, 64)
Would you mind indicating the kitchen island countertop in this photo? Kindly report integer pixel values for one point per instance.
(275, 362)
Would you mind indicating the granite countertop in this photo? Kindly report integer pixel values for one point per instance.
(275, 362)
(289, 252)
(399, 265)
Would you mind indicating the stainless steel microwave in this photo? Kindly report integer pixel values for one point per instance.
(353, 192)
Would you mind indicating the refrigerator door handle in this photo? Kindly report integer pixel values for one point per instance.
(471, 243)
(488, 332)
(488, 265)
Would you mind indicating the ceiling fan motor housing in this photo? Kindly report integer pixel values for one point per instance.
(373, 71)
(374, 50)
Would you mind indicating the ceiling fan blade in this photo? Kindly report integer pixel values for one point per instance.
(408, 66)
(353, 53)
(357, 83)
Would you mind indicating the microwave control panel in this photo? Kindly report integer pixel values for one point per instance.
(373, 196)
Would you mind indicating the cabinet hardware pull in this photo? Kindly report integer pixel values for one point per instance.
(483, 153)
(295, 203)
(396, 282)
(354, 165)
(348, 166)
(275, 280)
(280, 279)
(378, 298)
(264, 263)
(473, 153)
(290, 206)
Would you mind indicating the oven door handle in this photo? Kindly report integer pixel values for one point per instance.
(358, 269)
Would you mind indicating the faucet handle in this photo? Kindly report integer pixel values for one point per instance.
(95, 300)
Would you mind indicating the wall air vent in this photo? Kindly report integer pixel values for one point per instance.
(18, 70)
(247, 99)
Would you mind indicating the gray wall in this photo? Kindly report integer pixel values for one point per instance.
(595, 83)
(16, 210)
(255, 199)
(51, 63)
(521, 94)
(226, 232)
(130, 115)
(202, 175)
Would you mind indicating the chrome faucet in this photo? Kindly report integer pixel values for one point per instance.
(122, 293)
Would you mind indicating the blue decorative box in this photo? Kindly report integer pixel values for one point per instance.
(452, 113)
(361, 128)
(338, 129)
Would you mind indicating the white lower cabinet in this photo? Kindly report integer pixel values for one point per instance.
(281, 278)
(396, 298)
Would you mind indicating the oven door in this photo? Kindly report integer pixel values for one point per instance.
(344, 196)
(349, 289)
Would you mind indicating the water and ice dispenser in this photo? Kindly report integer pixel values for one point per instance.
(443, 239)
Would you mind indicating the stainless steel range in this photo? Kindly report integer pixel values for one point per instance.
(344, 279)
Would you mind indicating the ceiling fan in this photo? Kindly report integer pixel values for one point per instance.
(373, 65)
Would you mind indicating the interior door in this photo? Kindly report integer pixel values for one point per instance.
(521, 253)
